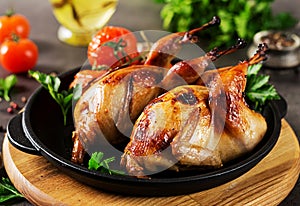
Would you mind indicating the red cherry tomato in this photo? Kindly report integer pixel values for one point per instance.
(18, 55)
(106, 41)
(13, 24)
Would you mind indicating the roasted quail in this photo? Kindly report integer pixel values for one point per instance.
(206, 124)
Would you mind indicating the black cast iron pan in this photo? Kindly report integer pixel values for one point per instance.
(40, 130)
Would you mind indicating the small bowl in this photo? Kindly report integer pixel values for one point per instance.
(283, 48)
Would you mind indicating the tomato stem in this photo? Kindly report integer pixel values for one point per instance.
(15, 37)
(10, 12)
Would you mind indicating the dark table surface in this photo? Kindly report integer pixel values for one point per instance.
(55, 56)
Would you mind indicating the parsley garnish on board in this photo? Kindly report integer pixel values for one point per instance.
(6, 84)
(8, 191)
(97, 162)
(52, 84)
(258, 90)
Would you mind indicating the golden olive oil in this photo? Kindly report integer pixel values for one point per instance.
(83, 16)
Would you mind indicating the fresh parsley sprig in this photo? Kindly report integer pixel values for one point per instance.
(97, 162)
(8, 191)
(6, 84)
(52, 84)
(238, 18)
(258, 90)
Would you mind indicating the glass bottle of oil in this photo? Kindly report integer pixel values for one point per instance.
(80, 19)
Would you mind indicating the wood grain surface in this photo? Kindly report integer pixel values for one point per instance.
(268, 183)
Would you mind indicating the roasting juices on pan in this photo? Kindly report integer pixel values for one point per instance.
(176, 117)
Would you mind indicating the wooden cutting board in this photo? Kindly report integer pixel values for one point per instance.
(268, 183)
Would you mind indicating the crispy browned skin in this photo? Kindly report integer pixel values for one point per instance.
(159, 123)
(188, 71)
(187, 122)
(163, 51)
(78, 152)
(110, 105)
(85, 77)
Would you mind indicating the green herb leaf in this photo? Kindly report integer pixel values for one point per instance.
(77, 92)
(97, 162)
(8, 191)
(52, 84)
(254, 69)
(6, 84)
(94, 162)
(239, 18)
(258, 90)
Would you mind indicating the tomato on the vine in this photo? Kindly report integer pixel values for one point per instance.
(12, 23)
(112, 45)
(18, 55)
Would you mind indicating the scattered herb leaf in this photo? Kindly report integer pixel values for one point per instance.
(8, 191)
(52, 84)
(6, 84)
(258, 90)
(97, 162)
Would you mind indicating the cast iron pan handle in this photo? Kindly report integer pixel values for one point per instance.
(17, 138)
